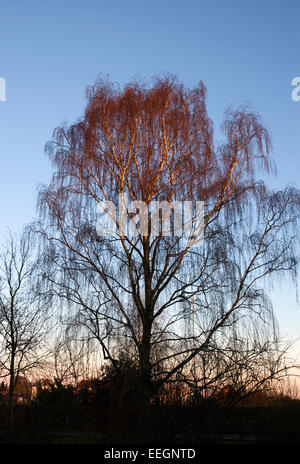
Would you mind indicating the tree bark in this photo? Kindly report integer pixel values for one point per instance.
(11, 390)
(145, 362)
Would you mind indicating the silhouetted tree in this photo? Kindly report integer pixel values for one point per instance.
(155, 143)
(23, 312)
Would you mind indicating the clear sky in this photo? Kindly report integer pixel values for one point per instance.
(51, 50)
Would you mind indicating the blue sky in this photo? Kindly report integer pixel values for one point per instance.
(50, 51)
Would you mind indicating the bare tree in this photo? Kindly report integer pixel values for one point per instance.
(155, 143)
(23, 312)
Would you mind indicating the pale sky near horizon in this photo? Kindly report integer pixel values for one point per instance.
(244, 51)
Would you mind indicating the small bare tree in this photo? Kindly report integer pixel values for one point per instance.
(23, 312)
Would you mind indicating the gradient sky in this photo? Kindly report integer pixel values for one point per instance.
(50, 51)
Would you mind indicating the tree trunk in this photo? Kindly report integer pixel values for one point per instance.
(144, 363)
(11, 390)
